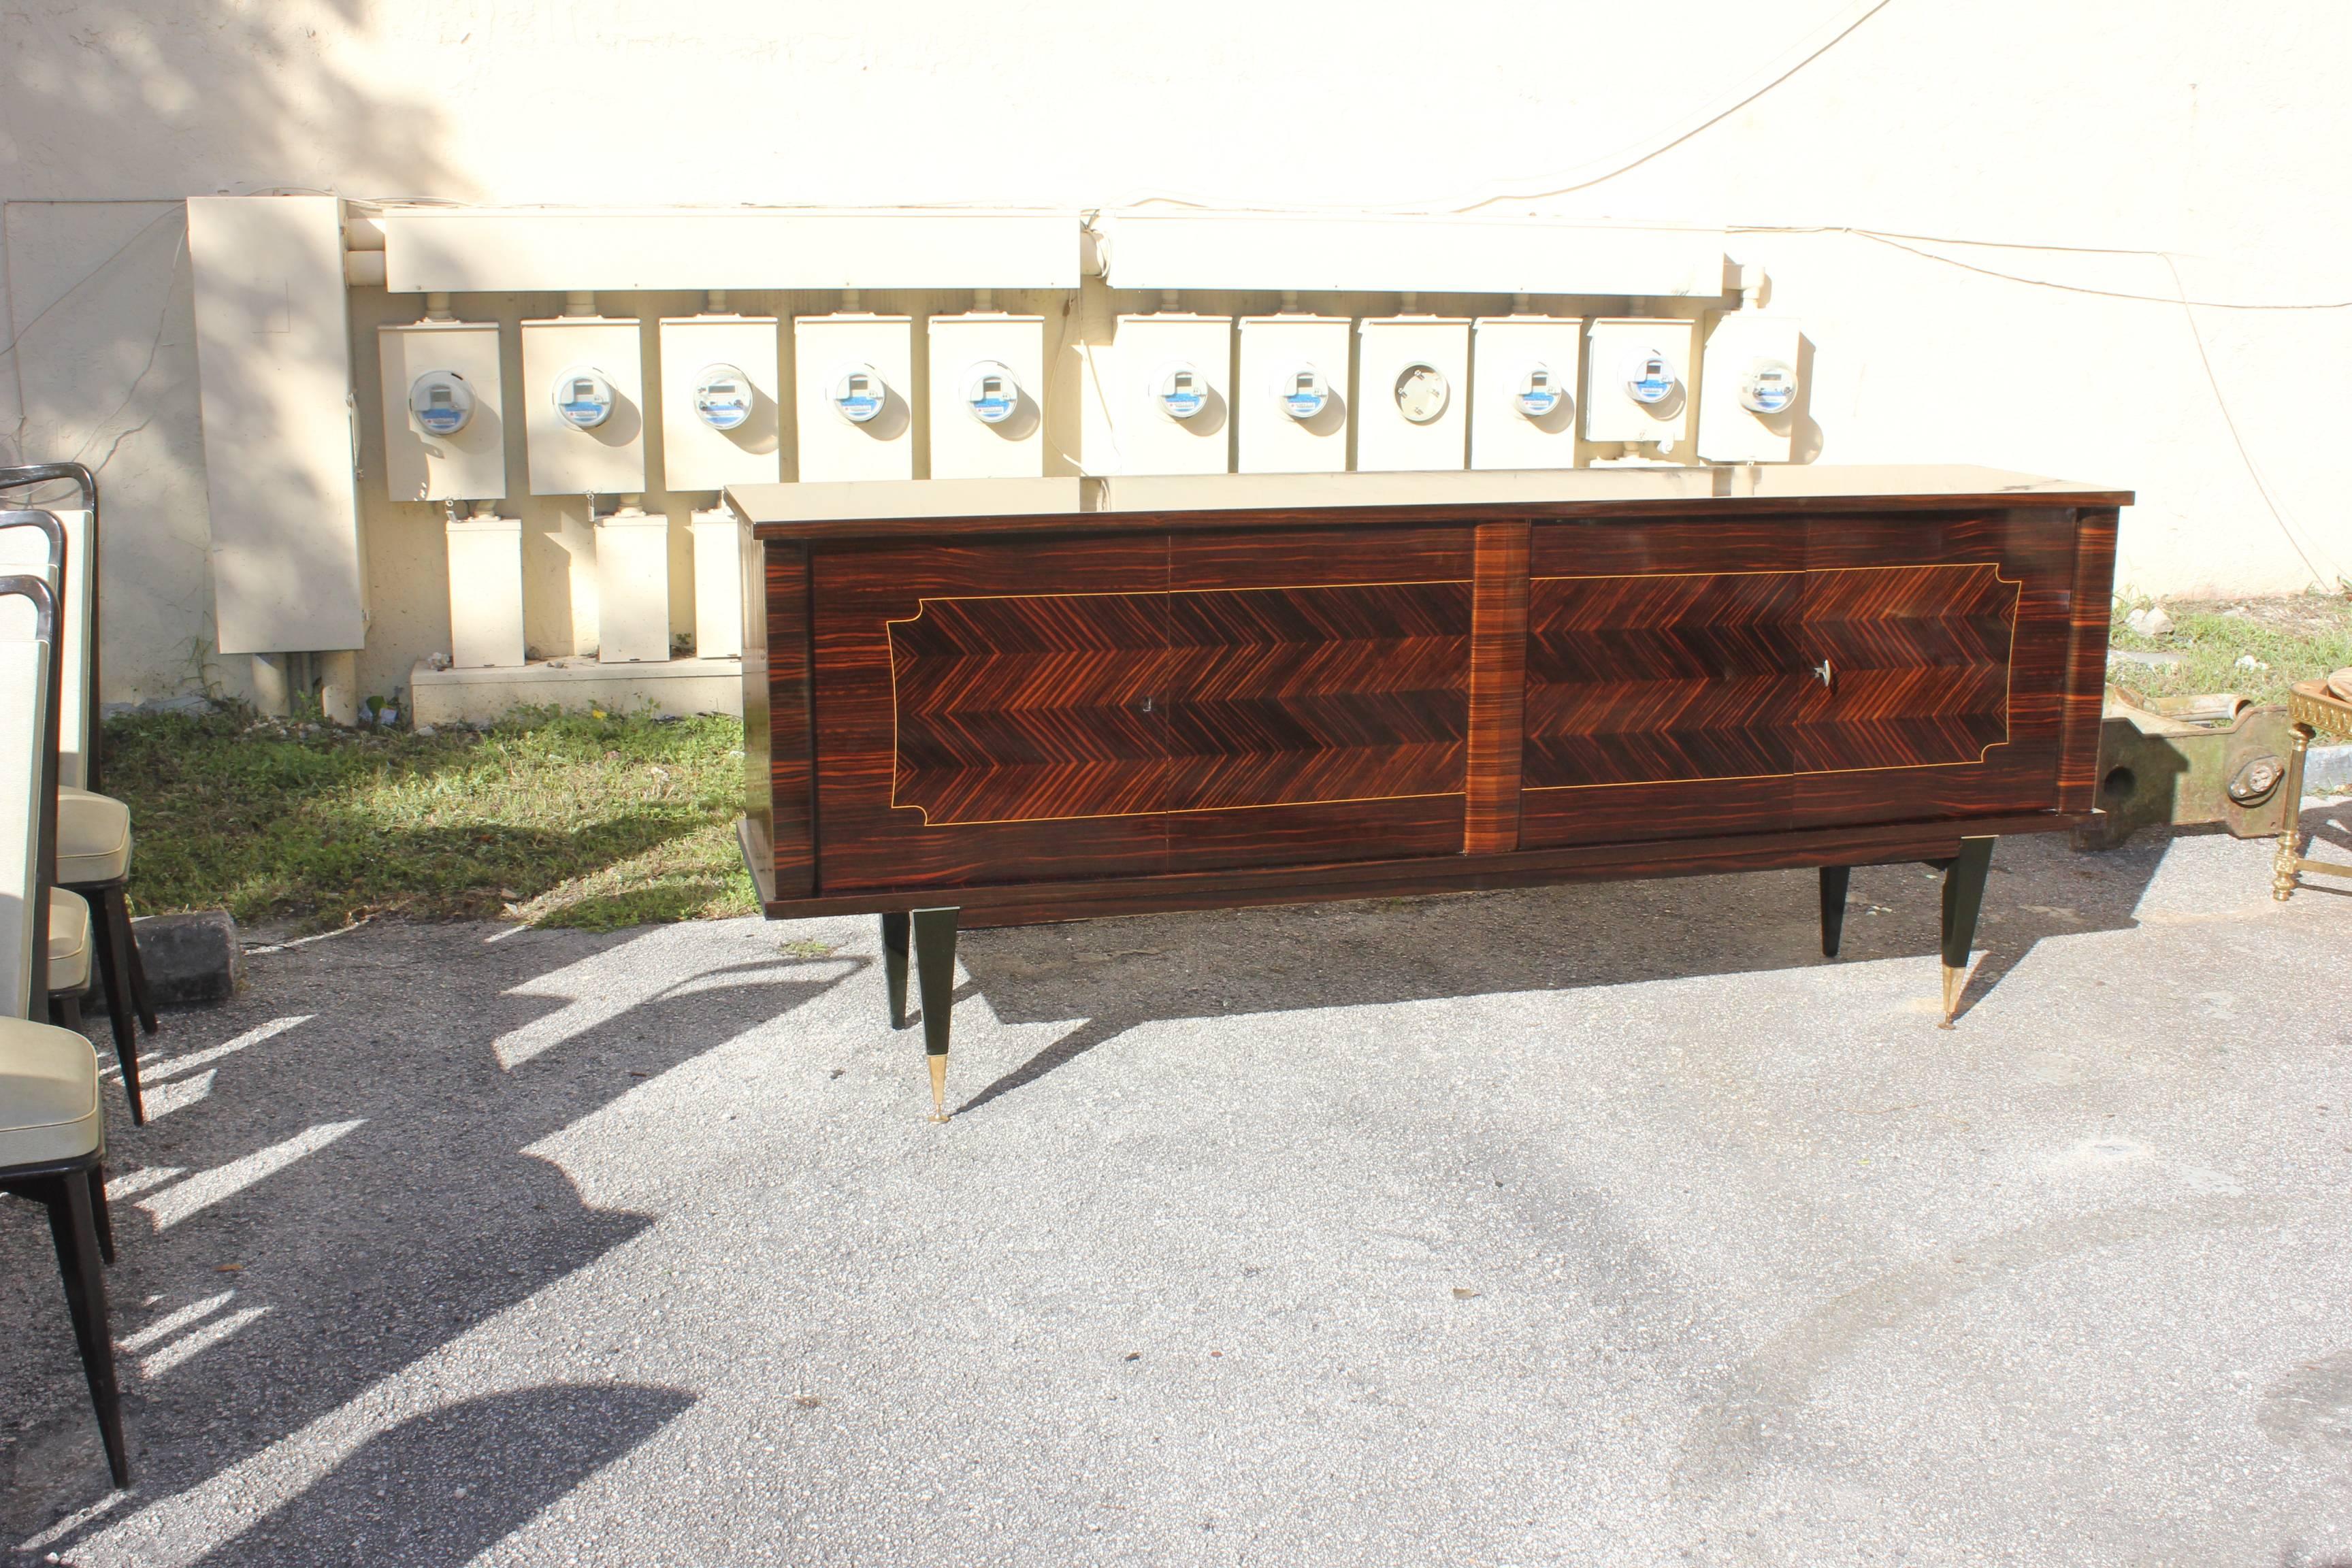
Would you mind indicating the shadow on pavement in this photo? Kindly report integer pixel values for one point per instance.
(442, 1487)
(310, 1212)
(1112, 975)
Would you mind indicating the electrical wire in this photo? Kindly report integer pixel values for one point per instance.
(1878, 237)
(2253, 470)
(1806, 50)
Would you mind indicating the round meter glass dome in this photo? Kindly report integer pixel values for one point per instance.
(991, 392)
(1180, 389)
(441, 402)
(722, 398)
(1538, 393)
(1650, 378)
(583, 397)
(1302, 392)
(858, 394)
(1769, 387)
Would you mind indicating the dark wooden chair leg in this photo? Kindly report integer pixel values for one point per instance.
(64, 1012)
(894, 966)
(1835, 879)
(935, 944)
(118, 900)
(117, 1009)
(101, 1220)
(1964, 885)
(73, 1230)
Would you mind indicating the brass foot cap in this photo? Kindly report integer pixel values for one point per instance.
(939, 1087)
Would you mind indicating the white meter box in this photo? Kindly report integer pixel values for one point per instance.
(1749, 395)
(1413, 386)
(717, 583)
(1170, 404)
(631, 589)
(583, 406)
(443, 438)
(853, 377)
(988, 384)
(1292, 394)
(721, 422)
(1523, 378)
(1637, 373)
(486, 591)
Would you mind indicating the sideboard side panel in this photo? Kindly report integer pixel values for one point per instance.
(2092, 613)
(786, 725)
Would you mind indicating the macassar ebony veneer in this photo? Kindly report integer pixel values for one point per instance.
(1014, 700)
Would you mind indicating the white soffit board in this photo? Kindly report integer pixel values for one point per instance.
(274, 368)
(485, 249)
(1435, 255)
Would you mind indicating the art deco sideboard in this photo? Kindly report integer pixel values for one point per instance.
(1020, 700)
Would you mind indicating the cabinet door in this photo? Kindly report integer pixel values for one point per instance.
(1947, 635)
(1034, 710)
(989, 712)
(1664, 680)
(1319, 694)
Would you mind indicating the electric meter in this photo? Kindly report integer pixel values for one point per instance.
(858, 394)
(1537, 394)
(722, 397)
(1650, 378)
(584, 398)
(442, 402)
(1302, 393)
(1769, 387)
(990, 392)
(1421, 393)
(1180, 388)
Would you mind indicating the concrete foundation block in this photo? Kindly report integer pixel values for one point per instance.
(190, 959)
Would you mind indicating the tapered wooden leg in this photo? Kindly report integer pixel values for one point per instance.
(72, 1230)
(65, 1011)
(1964, 885)
(894, 966)
(935, 943)
(133, 966)
(101, 1220)
(107, 940)
(1834, 882)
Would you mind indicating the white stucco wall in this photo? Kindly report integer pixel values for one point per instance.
(2099, 146)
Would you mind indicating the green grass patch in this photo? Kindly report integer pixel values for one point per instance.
(2302, 636)
(555, 819)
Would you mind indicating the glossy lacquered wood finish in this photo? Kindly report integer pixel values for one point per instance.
(1159, 711)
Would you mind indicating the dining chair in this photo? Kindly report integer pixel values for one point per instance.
(52, 1127)
(93, 830)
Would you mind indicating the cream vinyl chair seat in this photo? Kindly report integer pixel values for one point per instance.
(68, 945)
(93, 837)
(49, 1109)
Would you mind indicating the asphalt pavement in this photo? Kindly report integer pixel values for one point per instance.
(1582, 1225)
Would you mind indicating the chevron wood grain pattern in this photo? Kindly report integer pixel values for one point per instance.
(1499, 678)
(1918, 659)
(2032, 549)
(867, 842)
(1287, 658)
(1032, 707)
(784, 762)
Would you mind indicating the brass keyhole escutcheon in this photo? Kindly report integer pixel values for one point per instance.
(1822, 670)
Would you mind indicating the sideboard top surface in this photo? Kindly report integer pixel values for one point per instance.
(883, 510)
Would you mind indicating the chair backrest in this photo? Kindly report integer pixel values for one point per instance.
(78, 728)
(28, 792)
